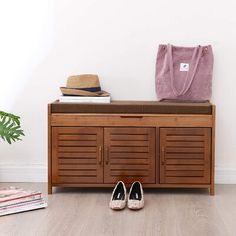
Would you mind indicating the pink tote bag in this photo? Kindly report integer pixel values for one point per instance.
(184, 73)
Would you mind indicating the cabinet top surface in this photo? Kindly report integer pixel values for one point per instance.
(145, 107)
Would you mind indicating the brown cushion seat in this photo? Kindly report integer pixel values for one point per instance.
(139, 107)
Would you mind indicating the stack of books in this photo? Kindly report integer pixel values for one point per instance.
(84, 99)
(14, 200)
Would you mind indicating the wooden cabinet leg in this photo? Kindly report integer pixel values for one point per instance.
(49, 188)
(212, 190)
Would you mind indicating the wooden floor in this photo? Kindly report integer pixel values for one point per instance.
(167, 212)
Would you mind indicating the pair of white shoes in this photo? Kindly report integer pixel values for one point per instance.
(119, 197)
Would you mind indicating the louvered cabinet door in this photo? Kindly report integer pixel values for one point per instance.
(185, 155)
(129, 155)
(77, 155)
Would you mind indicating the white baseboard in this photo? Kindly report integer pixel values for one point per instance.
(23, 173)
(38, 173)
(225, 175)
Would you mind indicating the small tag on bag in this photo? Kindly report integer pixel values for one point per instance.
(184, 67)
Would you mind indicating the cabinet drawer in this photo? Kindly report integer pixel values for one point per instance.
(131, 120)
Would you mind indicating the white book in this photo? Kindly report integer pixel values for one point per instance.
(82, 99)
(23, 207)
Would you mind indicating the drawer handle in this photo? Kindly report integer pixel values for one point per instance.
(137, 117)
(163, 156)
(100, 155)
(107, 156)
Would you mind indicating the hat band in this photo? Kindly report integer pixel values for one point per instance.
(92, 89)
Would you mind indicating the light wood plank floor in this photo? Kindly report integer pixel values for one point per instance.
(170, 212)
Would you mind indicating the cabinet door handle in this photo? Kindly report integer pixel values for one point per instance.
(130, 117)
(107, 155)
(163, 155)
(100, 155)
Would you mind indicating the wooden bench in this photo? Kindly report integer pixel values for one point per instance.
(161, 144)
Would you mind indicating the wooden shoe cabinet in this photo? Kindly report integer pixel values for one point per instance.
(160, 144)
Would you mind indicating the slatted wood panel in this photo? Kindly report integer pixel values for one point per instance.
(185, 155)
(77, 155)
(129, 155)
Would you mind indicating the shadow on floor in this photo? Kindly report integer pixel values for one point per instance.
(147, 190)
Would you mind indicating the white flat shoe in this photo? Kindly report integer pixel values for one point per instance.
(136, 198)
(118, 197)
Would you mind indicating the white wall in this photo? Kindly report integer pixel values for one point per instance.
(43, 42)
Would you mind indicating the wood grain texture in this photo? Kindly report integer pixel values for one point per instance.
(195, 166)
(157, 155)
(78, 160)
(144, 120)
(75, 155)
(167, 212)
(140, 164)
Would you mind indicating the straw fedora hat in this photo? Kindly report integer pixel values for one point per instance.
(83, 85)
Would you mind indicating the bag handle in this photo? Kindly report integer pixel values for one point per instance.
(190, 74)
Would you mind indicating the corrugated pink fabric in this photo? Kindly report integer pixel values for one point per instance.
(184, 73)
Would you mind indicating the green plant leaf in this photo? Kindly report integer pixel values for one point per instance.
(10, 129)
